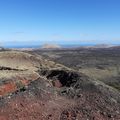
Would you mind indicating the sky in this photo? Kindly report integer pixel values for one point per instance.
(36, 22)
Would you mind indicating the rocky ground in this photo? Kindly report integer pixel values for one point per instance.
(35, 88)
(101, 64)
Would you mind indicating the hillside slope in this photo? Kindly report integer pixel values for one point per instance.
(33, 88)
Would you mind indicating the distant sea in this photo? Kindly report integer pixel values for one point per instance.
(39, 46)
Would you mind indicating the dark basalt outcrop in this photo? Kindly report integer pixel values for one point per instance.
(66, 78)
(9, 68)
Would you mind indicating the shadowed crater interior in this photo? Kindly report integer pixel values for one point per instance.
(61, 77)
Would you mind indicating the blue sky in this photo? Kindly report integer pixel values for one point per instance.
(34, 22)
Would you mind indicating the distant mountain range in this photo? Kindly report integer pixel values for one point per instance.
(57, 46)
(51, 46)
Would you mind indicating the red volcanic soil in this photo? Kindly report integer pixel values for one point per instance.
(57, 84)
(40, 104)
(27, 108)
(43, 103)
(12, 86)
(7, 88)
